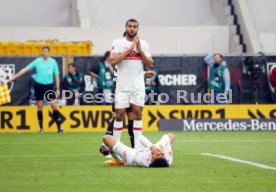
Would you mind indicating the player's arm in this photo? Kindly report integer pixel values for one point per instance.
(145, 55)
(147, 60)
(144, 141)
(172, 138)
(117, 57)
(20, 73)
(226, 78)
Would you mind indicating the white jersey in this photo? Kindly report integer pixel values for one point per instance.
(130, 71)
(141, 156)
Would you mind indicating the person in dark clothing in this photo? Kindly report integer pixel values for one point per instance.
(219, 81)
(47, 73)
(74, 84)
(151, 85)
(105, 77)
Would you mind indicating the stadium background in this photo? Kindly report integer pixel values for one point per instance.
(80, 31)
(180, 33)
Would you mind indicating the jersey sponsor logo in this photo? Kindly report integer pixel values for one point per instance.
(229, 125)
(154, 115)
(133, 56)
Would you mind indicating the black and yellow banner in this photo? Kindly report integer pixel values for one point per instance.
(97, 118)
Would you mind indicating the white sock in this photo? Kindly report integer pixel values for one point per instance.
(137, 130)
(115, 156)
(117, 130)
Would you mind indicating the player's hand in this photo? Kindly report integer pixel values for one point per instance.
(155, 150)
(12, 80)
(57, 93)
(134, 44)
(149, 73)
(138, 44)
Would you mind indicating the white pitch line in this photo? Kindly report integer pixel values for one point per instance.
(227, 141)
(241, 161)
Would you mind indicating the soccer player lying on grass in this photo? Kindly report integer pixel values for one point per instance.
(145, 154)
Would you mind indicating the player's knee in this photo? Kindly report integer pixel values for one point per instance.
(137, 115)
(106, 138)
(119, 116)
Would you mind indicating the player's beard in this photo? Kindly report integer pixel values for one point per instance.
(131, 35)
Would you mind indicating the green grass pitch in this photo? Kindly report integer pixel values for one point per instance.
(71, 162)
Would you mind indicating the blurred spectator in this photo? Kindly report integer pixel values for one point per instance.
(94, 72)
(105, 77)
(273, 78)
(151, 84)
(73, 82)
(219, 80)
(32, 87)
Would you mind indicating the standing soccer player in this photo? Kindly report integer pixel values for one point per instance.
(46, 71)
(129, 54)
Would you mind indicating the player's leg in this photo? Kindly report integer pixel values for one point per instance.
(109, 131)
(39, 96)
(120, 150)
(118, 123)
(121, 103)
(111, 142)
(56, 116)
(137, 100)
(130, 126)
(39, 104)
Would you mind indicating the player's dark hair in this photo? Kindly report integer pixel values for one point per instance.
(72, 65)
(124, 34)
(133, 20)
(45, 47)
(159, 162)
(106, 54)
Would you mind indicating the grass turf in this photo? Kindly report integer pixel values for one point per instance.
(71, 162)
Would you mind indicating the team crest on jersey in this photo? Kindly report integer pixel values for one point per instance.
(133, 56)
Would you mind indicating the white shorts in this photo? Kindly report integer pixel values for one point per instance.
(123, 99)
(126, 153)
